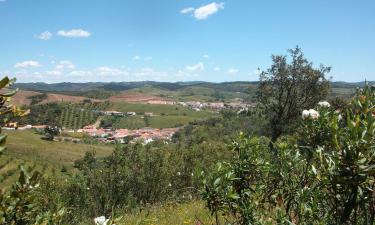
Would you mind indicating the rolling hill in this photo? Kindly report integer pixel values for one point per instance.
(141, 92)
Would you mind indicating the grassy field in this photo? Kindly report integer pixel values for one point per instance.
(164, 115)
(191, 93)
(171, 214)
(26, 147)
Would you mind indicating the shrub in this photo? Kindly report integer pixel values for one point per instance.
(324, 174)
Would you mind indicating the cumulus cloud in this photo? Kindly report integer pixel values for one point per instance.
(65, 65)
(46, 35)
(74, 33)
(206, 56)
(205, 11)
(217, 68)
(195, 68)
(27, 64)
(233, 71)
(136, 57)
(187, 10)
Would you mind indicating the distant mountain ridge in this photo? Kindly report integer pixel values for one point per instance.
(123, 86)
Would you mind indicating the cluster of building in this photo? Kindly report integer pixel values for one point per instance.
(197, 106)
(146, 135)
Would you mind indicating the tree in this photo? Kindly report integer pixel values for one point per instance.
(50, 133)
(287, 88)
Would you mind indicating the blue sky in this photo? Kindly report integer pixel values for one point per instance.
(181, 40)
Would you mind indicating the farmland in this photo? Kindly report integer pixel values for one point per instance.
(27, 147)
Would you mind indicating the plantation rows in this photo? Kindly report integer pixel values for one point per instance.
(76, 118)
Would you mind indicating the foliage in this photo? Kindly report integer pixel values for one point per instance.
(322, 175)
(19, 205)
(42, 114)
(22, 205)
(50, 133)
(35, 99)
(136, 176)
(287, 88)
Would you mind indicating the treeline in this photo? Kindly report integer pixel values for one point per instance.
(73, 116)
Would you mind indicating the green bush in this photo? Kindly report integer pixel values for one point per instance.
(324, 174)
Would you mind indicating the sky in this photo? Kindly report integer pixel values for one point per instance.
(181, 40)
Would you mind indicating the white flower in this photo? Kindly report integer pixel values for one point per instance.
(339, 117)
(101, 220)
(169, 185)
(192, 174)
(324, 104)
(305, 114)
(178, 173)
(314, 114)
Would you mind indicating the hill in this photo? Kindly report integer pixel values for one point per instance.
(27, 147)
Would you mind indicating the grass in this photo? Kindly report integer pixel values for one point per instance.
(26, 147)
(192, 93)
(170, 214)
(164, 115)
(156, 109)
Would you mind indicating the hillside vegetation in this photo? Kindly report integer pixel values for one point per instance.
(143, 91)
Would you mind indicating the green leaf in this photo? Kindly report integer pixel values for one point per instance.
(4, 82)
(9, 94)
(217, 181)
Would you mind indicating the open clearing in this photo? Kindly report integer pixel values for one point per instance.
(133, 97)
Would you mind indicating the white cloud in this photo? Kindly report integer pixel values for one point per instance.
(207, 10)
(104, 70)
(187, 10)
(46, 35)
(3, 0)
(206, 56)
(74, 33)
(65, 65)
(233, 71)
(27, 64)
(217, 68)
(136, 57)
(148, 58)
(197, 67)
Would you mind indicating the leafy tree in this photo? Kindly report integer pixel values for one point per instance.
(50, 133)
(287, 88)
(146, 120)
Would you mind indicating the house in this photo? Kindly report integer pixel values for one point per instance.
(160, 102)
(113, 113)
(131, 113)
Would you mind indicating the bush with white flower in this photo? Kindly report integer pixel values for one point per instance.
(101, 220)
(324, 174)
